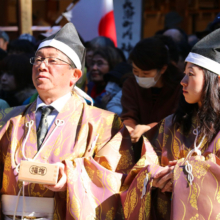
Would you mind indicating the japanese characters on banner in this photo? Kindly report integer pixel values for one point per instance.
(128, 20)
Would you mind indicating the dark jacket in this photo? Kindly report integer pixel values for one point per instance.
(141, 107)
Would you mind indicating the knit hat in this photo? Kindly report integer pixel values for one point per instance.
(206, 53)
(67, 41)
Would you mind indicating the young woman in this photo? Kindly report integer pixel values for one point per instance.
(181, 174)
(154, 90)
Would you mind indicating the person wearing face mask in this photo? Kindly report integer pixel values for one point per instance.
(152, 93)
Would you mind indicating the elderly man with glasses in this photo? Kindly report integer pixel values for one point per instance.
(90, 146)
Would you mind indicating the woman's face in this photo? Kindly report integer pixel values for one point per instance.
(144, 73)
(8, 82)
(193, 83)
(154, 73)
(99, 67)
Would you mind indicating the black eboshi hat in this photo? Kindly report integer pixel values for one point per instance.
(206, 53)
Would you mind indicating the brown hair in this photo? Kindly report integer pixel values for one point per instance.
(110, 54)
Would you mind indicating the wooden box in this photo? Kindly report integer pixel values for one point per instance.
(35, 172)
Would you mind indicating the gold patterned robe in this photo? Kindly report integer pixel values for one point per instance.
(94, 173)
(199, 201)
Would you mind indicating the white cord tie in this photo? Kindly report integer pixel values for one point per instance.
(17, 168)
(146, 179)
(94, 142)
(188, 166)
(58, 123)
(28, 125)
(16, 207)
(82, 94)
(83, 179)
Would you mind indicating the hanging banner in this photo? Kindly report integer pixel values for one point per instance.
(128, 20)
(25, 7)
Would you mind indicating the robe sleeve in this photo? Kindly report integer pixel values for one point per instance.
(137, 188)
(2, 132)
(5, 132)
(93, 182)
(150, 155)
(201, 199)
(130, 105)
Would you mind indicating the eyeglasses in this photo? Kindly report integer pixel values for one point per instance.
(49, 61)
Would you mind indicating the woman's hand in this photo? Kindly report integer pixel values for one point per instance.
(62, 183)
(165, 183)
(163, 179)
(130, 129)
(138, 131)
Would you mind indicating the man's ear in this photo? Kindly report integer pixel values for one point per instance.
(77, 73)
(164, 68)
(219, 80)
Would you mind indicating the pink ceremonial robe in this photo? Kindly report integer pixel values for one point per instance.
(199, 201)
(94, 173)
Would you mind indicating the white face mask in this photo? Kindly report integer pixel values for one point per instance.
(146, 82)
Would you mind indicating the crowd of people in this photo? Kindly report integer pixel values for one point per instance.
(157, 145)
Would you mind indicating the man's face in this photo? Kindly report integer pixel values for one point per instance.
(3, 44)
(53, 81)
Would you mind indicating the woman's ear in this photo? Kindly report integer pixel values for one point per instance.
(164, 68)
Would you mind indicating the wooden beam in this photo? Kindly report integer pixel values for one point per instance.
(4, 14)
(25, 16)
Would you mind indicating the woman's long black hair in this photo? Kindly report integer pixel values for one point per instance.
(208, 115)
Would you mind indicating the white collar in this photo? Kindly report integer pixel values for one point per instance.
(57, 104)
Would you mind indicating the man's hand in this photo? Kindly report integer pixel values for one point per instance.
(138, 131)
(62, 183)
